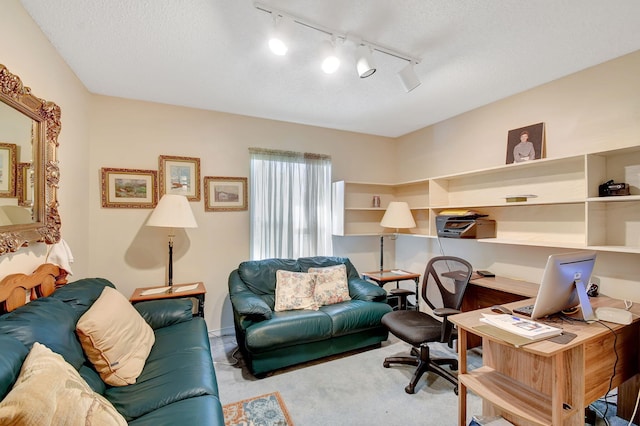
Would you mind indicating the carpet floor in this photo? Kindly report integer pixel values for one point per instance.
(355, 389)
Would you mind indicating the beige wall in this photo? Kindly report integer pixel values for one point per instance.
(593, 110)
(26, 52)
(131, 134)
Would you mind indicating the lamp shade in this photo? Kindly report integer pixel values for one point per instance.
(398, 215)
(173, 211)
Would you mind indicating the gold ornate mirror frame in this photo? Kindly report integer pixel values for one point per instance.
(45, 226)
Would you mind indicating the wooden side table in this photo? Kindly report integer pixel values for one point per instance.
(154, 293)
(386, 276)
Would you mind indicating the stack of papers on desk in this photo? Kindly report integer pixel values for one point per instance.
(520, 326)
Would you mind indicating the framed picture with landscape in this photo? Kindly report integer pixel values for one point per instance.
(225, 193)
(129, 188)
(180, 175)
(8, 169)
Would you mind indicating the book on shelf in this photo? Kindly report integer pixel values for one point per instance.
(523, 327)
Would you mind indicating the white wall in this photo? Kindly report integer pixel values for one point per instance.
(593, 110)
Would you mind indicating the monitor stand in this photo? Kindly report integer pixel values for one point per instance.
(585, 304)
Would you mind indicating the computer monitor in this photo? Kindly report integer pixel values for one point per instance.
(564, 284)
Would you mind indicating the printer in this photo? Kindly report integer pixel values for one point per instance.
(467, 224)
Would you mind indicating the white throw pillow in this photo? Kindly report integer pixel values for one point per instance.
(332, 285)
(115, 338)
(49, 391)
(294, 290)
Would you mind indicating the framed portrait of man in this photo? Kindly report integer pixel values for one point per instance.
(526, 144)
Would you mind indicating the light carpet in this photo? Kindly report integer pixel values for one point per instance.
(263, 410)
(349, 390)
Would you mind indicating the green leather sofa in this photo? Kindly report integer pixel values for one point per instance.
(271, 340)
(178, 383)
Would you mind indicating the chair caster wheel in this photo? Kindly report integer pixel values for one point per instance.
(410, 389)
(454, 366)
(455, 390)
(385, 364)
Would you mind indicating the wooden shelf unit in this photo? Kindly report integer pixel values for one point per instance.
(566, 211)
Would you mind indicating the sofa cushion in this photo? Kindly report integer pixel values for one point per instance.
(190, 411)
(355, 315)
(116, 339)
(294, 290)
(13, 354)
(324, 261)
(81, 294)
(288, 328)
(50, 391)
(179, 367)
(48, 321)
(260, 275)
(331, 285)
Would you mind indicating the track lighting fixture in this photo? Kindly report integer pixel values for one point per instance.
(331, 61)
(277, 41)
(365, 64)
(364, 61)
(408, 77)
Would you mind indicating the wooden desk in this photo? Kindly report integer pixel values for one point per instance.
(546, 383)
(483, 292)
(198, 293)
(386, 276)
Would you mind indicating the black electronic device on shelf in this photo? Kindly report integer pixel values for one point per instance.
(465, 226)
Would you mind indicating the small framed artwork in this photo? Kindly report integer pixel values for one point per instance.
(180, 175)
(526, 144)
(225, 193)
(129, 188)
(24, 184)
(8, 153)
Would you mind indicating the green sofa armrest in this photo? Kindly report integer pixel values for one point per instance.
(246, 303)
(163, 313)
(360, 289)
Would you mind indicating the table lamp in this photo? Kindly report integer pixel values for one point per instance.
(398, 216)
(173, 211)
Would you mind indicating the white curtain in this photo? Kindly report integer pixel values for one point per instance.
(290, 204)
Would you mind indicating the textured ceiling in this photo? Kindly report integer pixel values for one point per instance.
(212, 54)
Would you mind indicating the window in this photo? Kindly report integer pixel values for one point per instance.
(290, 204)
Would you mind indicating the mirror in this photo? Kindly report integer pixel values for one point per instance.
(29, 174)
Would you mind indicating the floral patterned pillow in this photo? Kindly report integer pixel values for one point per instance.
(294, 290)
(331, 285)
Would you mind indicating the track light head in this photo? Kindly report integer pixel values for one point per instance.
(277, 40)
(408, 77)
(331, 61)
(364, 61)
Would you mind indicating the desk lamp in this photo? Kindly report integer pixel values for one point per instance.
(398, 216)
(173, 211)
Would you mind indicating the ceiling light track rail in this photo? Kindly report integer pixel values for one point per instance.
(338, 34)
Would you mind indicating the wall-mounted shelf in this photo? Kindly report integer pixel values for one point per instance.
(566, 211)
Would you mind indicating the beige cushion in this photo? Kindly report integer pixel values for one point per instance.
(115, 338)
(49, 391)
(331, 285)
(294, 290)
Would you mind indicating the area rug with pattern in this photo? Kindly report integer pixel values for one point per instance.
(263, 410)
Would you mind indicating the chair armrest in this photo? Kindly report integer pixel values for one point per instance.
(163, 313)
(246, 303)
(445, 312)
(360, 289)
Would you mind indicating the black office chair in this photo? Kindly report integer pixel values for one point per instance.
(443, 286)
